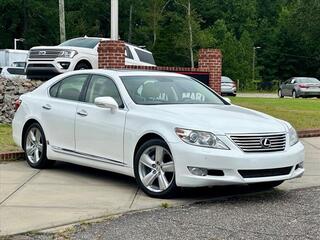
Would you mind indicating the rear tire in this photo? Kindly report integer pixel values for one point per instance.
(35, 146)
(265, 185)
(154, 169)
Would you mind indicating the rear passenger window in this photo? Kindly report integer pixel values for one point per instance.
(101, 86)
(128, 53)
(69, 88)
(145, 56)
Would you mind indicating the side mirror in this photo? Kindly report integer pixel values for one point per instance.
(106, 102)
(227, 100)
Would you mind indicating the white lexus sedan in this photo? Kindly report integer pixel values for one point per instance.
(165, 129)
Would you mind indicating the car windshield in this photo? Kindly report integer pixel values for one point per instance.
(155, 90)
(81, 42)
(307, 80)
(226, 80)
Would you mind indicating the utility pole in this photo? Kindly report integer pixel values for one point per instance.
(114, 20)
(130, 24)
(254, 62)
(62, 21)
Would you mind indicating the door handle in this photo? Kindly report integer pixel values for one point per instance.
(46, 107)
(82, 113)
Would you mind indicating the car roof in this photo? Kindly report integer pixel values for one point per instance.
(130, 72)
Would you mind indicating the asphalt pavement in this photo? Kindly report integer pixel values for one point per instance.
(53, 199)
(274, 214)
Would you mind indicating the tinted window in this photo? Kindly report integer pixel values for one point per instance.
(128, 53)
(70, 88)
(101, 86)
(152, 90)
(16, 71)
(226, 80)
(307, 80)
(145, 56)
(81, 42)
(54, 89)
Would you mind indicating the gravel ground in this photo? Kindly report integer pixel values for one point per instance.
(274, 214)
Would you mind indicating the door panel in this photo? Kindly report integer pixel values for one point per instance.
(58, 111)
(99, 131)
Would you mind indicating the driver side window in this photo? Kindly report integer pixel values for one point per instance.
(101, 86)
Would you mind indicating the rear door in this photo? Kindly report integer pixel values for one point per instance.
(59, 110)
(99, 131)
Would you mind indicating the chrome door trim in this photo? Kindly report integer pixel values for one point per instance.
(87, 156)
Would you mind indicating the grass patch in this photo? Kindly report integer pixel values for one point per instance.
(301, 113)
(6, 141)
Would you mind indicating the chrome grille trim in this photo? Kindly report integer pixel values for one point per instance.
(44, 53)
(252, 142)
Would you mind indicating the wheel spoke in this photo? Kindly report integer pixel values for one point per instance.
(40, 146)
(159, 154)
(149, 178)
(30, 150)
(36, 155)
(37, 135)
(168, 167)
(32, 136)
(163, 182)
(146, 160)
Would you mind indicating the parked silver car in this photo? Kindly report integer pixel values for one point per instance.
(228, 87)
(300, 87)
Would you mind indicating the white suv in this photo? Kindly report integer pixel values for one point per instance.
(45, 62)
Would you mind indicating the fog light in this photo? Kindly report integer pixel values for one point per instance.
(300, 165)
(64, 65)
(198, 171)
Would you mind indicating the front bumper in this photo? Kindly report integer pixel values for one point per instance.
(228, 90)
(230, 162)
(46, 69)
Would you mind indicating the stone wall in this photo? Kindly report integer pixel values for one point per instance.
(10, 91)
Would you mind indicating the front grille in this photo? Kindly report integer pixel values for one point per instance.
(265, 172)
(40, 65)
(260, 143)
(45, 53)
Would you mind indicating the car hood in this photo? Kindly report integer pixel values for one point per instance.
(80, 49)
(220, 119)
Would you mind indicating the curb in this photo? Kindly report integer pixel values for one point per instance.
(309, 133)
(11, 155)
(20, 154)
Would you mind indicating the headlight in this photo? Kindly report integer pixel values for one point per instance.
(200, 138)
(293, 136)
(68, 53)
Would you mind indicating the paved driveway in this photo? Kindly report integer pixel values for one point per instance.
(33, 200)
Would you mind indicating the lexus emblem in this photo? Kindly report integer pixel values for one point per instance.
(42, 53)
(265, 142)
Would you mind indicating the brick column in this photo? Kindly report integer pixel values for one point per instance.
(211, 60)
(111, 54)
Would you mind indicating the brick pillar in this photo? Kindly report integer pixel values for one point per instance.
(111, 54)
(211, 60)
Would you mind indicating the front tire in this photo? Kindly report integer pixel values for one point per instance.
(280, 93)
(82, 66)
(294, 94)
(34, 144)
(154, 169)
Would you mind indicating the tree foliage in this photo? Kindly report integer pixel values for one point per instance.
(287, 31)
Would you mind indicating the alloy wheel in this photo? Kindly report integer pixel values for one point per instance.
(34, 145)
(156, 169)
